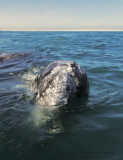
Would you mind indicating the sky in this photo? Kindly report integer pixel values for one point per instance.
(61, 15)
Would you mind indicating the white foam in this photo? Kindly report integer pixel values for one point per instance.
(31, 74)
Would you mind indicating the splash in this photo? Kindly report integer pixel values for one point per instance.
(31, 74)
(41, 115)
(44, 118)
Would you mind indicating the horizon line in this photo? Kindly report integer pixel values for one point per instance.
(61, 30)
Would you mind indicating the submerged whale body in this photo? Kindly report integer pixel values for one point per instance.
(60, 83)
(6, 57)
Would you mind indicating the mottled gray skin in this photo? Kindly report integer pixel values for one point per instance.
(60, 84)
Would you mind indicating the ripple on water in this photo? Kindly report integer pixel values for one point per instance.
(94, 125)
(100, 46)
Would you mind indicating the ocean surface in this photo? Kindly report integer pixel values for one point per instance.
(88, 129)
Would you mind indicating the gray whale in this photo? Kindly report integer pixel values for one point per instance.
(60, 84)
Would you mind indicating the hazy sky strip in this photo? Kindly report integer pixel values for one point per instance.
(60, 14)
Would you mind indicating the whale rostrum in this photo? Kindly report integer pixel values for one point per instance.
(60, 84)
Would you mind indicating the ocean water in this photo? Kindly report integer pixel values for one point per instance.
(88, 129)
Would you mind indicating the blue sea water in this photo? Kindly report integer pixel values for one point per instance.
(88, 130)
